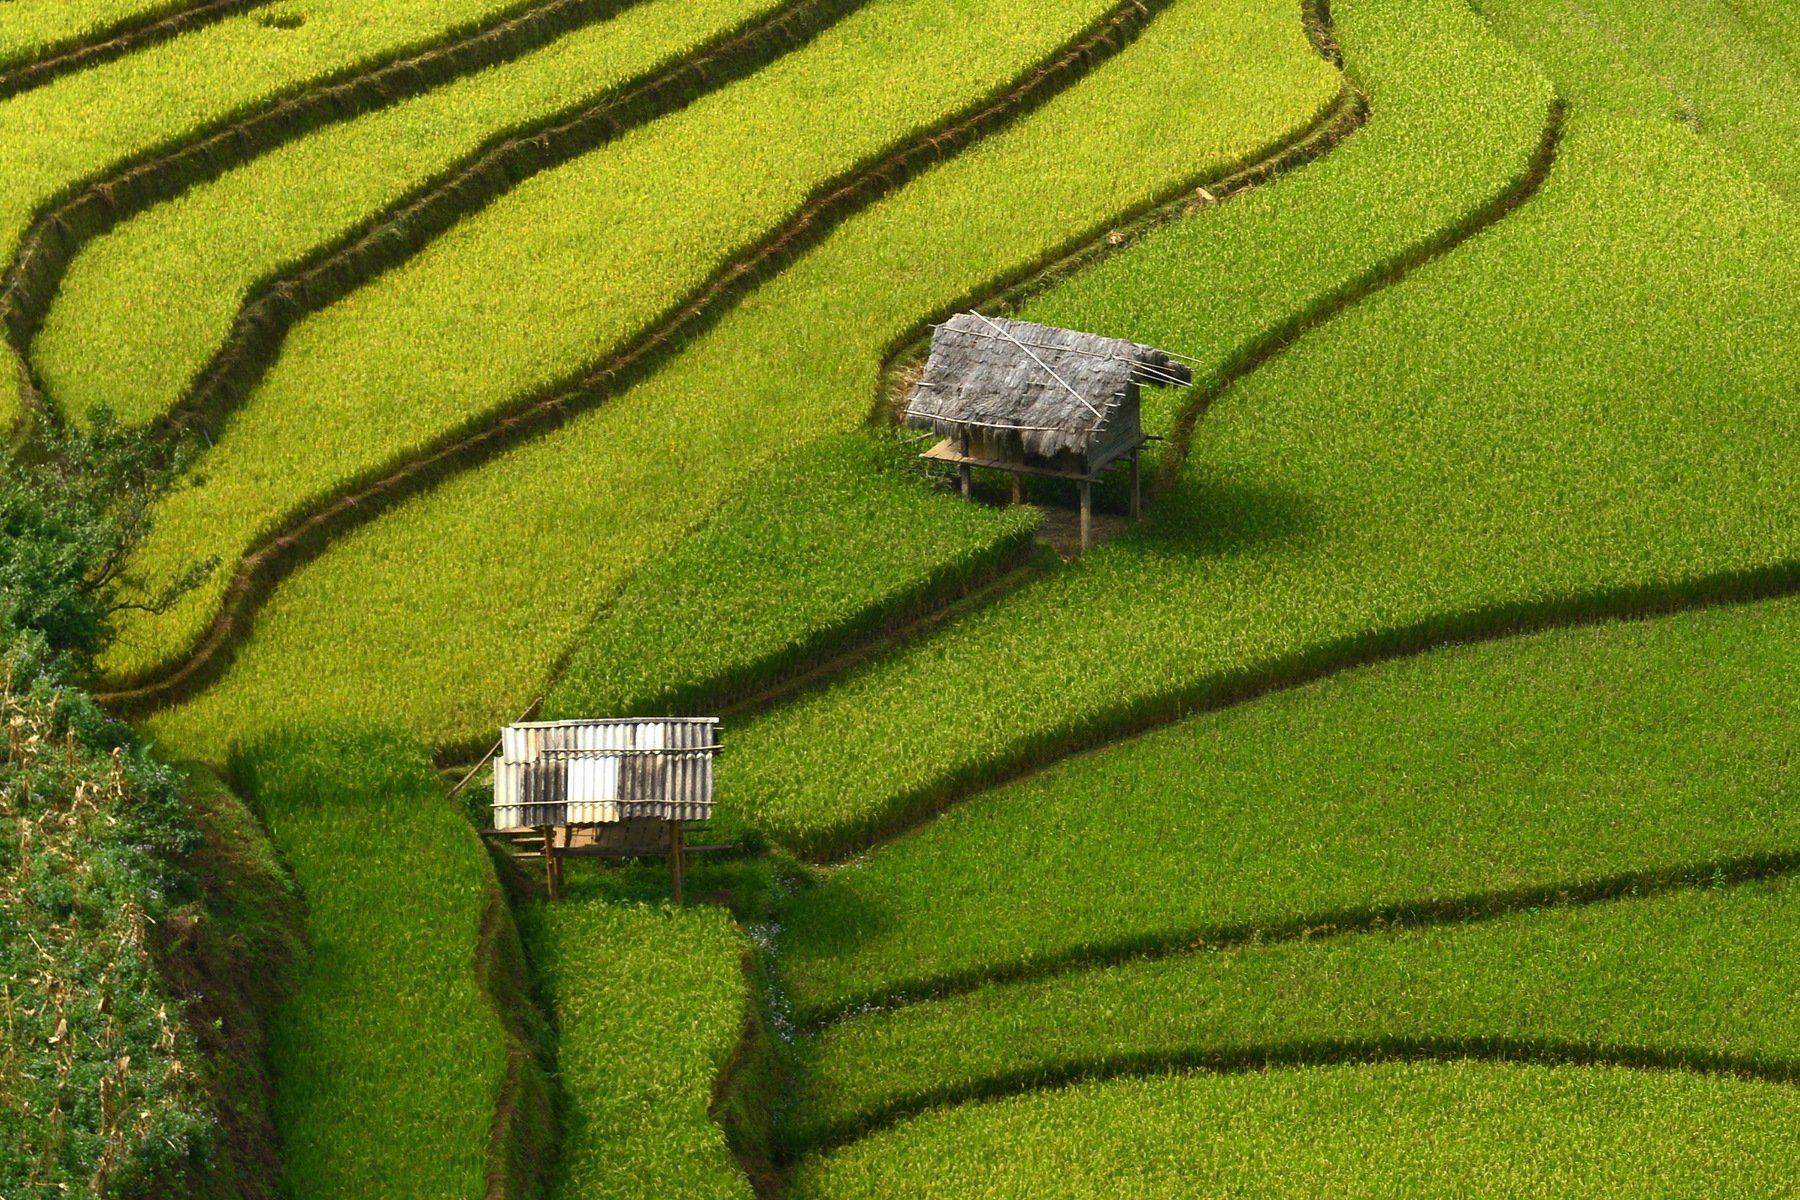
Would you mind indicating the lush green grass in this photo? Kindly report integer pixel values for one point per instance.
(1466, 1129)
(34, 29)
(447, 632)
(203, 253)
(1505, 767)
(569, 266)
(1486, 441)
(389, 1060)
(648, 1005)
(837, 540)
(1697, 63)
(1705, 977)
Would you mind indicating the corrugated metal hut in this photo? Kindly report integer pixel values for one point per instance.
(1036, 400)
(606, 788)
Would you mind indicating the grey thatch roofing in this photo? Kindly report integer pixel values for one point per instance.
(1053, 389)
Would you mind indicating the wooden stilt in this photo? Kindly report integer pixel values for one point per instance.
(1087, 512)
(549, 833)
(1018, 489)
(963, 473)
(675, 860)
(1137, 503)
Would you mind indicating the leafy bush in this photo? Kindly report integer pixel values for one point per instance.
(100, 1086)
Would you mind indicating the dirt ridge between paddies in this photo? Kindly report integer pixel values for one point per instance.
(87, 208)
(504, 161)
(1322, 1053)
(309, 532)
(116, 41)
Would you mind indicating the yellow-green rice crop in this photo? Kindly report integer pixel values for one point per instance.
(1390, 1131)
(443, 615)
(1698, 978)
(1694, 62)
(1485, 443)
(35, 29)
(203, 253)
(839, 539)
(569, 266)
(648, 1005)
(1405, 786)
(59, 135)
(389, 1060)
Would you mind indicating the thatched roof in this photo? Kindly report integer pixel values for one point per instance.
(1053, 389)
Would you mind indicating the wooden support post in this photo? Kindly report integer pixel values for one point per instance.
(675, 860)
(1137, 503)
(963, 473)
(1018, 488)
(1087, 512)
(549, 833)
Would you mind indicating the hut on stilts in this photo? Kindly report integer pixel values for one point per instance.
(1032, 399)
(626, 788)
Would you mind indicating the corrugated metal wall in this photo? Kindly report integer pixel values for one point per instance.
(601, 772)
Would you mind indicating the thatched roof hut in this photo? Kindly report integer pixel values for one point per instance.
(1036, 400)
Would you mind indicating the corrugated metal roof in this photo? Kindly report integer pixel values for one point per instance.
(605, 771)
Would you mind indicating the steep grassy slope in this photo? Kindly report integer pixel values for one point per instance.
(463, 638)
(840, 539)
(1690, 977)
(1697, 63)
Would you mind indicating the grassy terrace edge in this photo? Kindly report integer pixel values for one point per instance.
(506, 160)
(1293, 1055)
(88, 208)
(311, 531)
(128, 35)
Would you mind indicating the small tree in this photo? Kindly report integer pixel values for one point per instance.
(73, 508)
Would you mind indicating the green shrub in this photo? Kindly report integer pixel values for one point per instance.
(100, 1079)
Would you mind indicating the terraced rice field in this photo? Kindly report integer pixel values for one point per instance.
(1406, 805)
